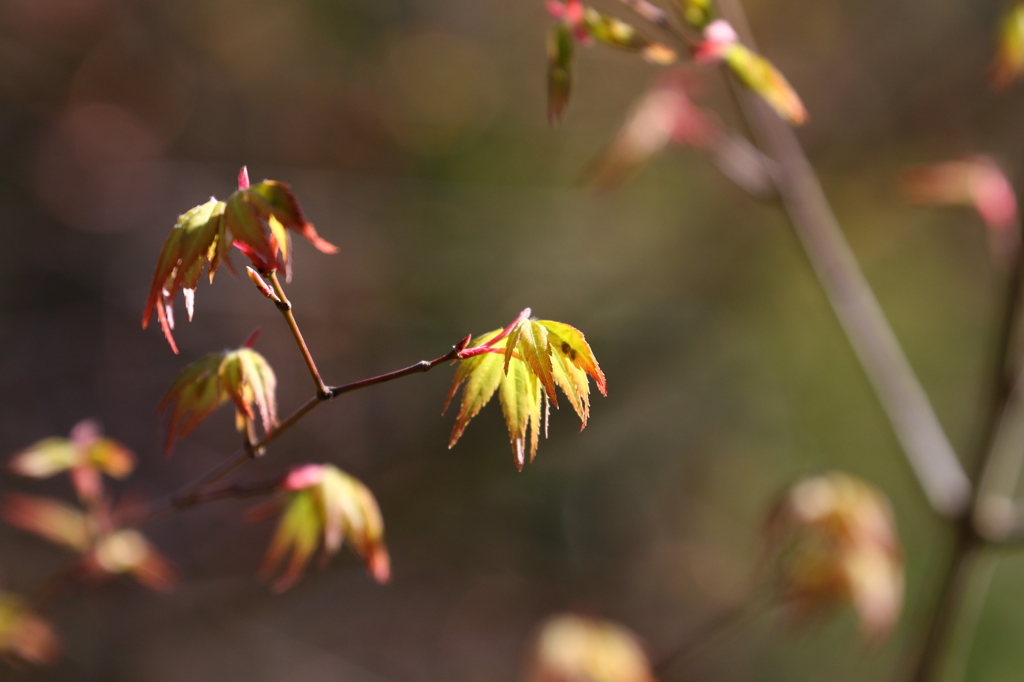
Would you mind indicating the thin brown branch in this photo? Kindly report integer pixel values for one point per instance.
(285, 306)
(928, 450)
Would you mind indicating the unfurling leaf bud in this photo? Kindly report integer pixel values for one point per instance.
(754, 71)
(323, 506)
(833, 540)
(575, 649)
(261, 285)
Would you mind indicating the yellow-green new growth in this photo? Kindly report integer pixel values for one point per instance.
(523, 364)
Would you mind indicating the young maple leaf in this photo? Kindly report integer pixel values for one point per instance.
(243, 376)
(575, 649)
(255, 219)
(23, 634)
(323, 506)
(833, 540)
(720, 43)
(1009, 60)
(86, 455)
(523, 363)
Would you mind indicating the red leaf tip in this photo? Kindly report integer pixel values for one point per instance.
(243, 178)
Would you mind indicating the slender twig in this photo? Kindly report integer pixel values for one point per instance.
(928, 450)
(285, 306)
(421, 366)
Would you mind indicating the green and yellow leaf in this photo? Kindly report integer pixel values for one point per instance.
(524, 363)
(323, 506)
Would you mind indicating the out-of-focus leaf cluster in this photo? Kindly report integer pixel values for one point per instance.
(91, 531)
(585, 25)
(833, 541)
(86, 455)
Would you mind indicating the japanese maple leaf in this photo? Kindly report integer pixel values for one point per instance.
(242, 376)
(524, 363)
(322, 506)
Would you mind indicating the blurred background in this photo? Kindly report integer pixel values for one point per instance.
(414, 133)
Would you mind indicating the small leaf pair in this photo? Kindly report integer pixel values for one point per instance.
(523, 363)
(833, 540)
(575, 649)
(242, 376)
(721, 44)
(256, 219)
(321, 506)
(104, 552)
(85, 455)
(583, 25)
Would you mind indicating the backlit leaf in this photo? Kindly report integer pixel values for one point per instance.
(256, 219)
(242, 376)
(524, 363)
(325, 507)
